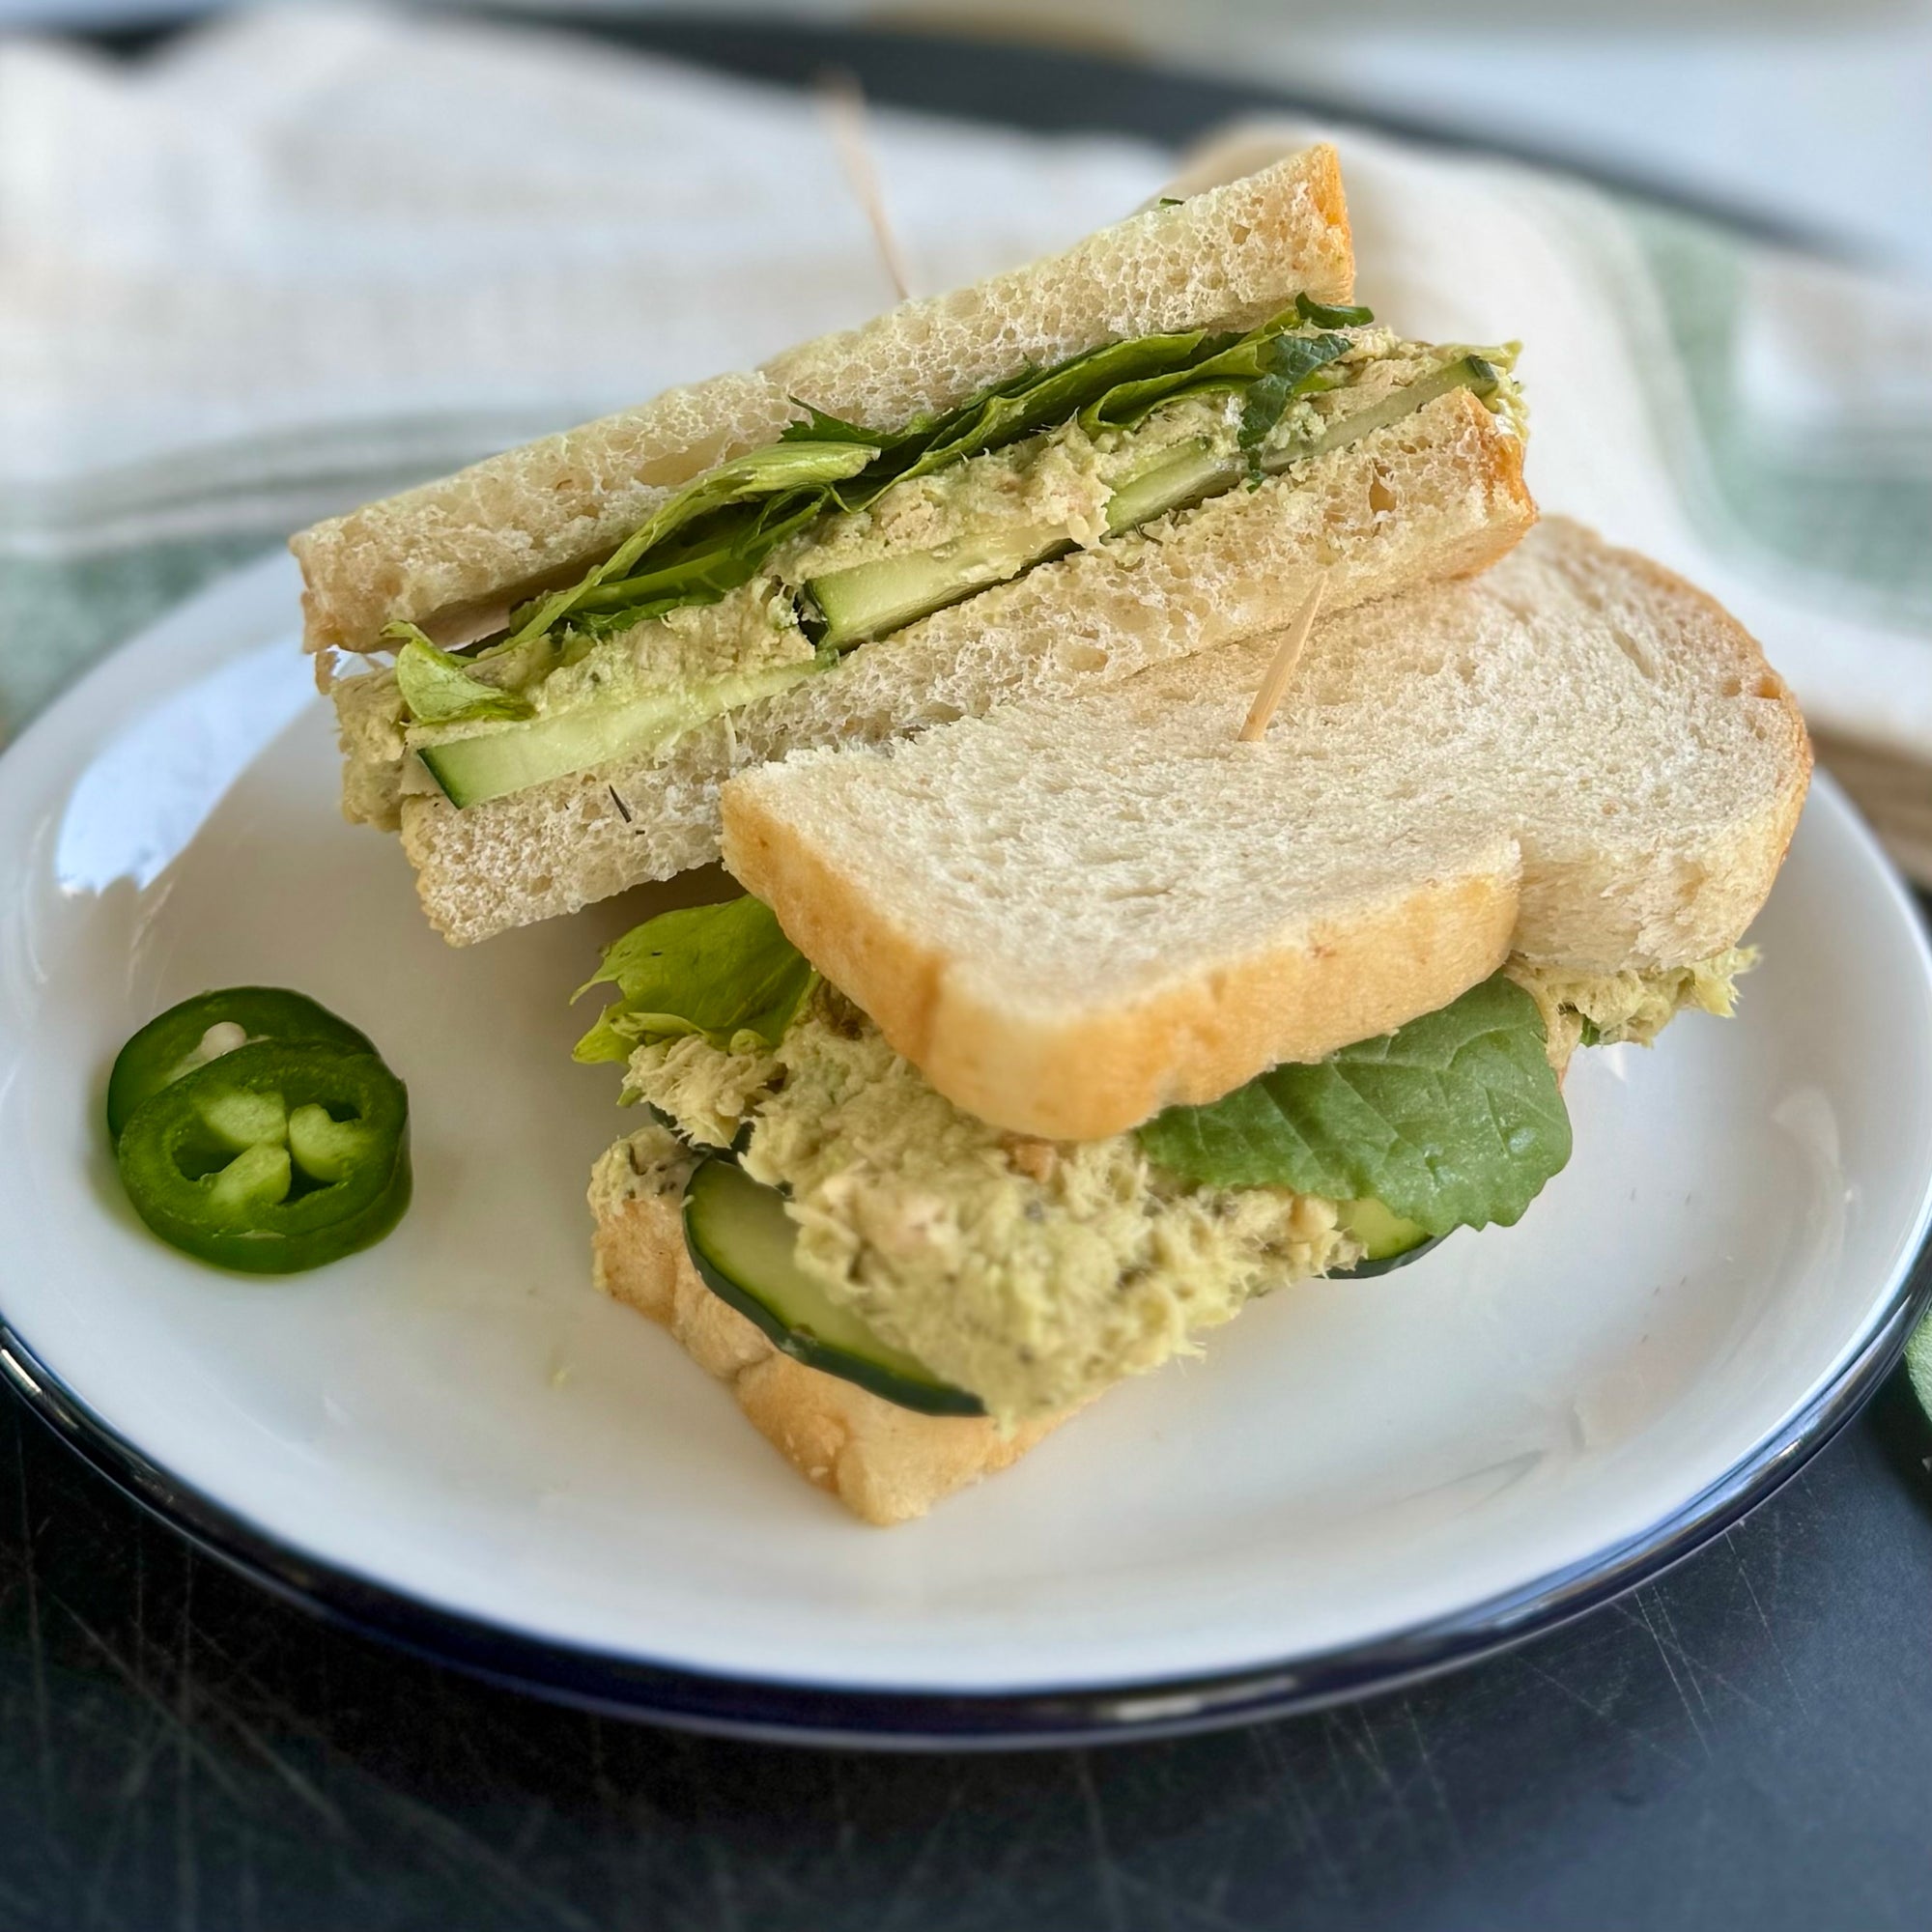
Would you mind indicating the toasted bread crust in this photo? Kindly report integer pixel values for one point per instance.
(1186, 1046)
(885, 1465)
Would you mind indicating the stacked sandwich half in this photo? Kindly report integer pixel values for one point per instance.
(1058, 1019)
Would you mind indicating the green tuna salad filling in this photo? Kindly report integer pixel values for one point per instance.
(766, 569)
(1035, 1273)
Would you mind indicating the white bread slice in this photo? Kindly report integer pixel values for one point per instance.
(542, 514)
(1070, 915)
(1437, 494)
(885, 1463)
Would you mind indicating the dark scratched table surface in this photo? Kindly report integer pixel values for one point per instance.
(1745, 1742)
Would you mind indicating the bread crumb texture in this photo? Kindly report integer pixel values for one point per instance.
(1069, 915)
(1438, 494)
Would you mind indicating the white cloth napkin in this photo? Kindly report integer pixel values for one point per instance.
(314, 240)
(1456, 249)
(307, 255)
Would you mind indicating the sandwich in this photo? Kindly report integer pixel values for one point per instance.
(1041, 1042)
(1035, 488)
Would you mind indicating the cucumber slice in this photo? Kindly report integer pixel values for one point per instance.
(1467, 372)
(870, 600)
(1183, 475)
(866, 600)
(742, 1240)
(512, 757)
(1388, 1241)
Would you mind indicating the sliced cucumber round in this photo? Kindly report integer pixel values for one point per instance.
(1388, 1241)
(742, 1241)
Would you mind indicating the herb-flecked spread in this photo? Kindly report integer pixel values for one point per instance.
(1034, 1273)
(1053, 488)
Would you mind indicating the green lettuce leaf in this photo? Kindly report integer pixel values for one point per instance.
(1452, 1121)
(1022, 406)
(1115, 386)
(716, 970)
(700, 573)
(818, 427)
(439, 689)
(716, 532)
(912, 438)
(1045, 401)
(1291, 366)
(1232, 365)
(1326, 315)
(779, 469)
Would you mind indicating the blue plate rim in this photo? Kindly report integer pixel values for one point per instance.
(775, 1711)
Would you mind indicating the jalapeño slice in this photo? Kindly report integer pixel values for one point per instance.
(271, 1158)
(200, 1029)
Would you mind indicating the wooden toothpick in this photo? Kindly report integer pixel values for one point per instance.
(1268, 699)
(845, 112)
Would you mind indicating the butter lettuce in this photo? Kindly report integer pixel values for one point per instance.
(1119, 386)
(1291, 366)
(1452, 1121)
(719, 971)
(1033, 400)
(1114, 387)
(440, 690)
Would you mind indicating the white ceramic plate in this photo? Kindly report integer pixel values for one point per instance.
(454, 1440)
